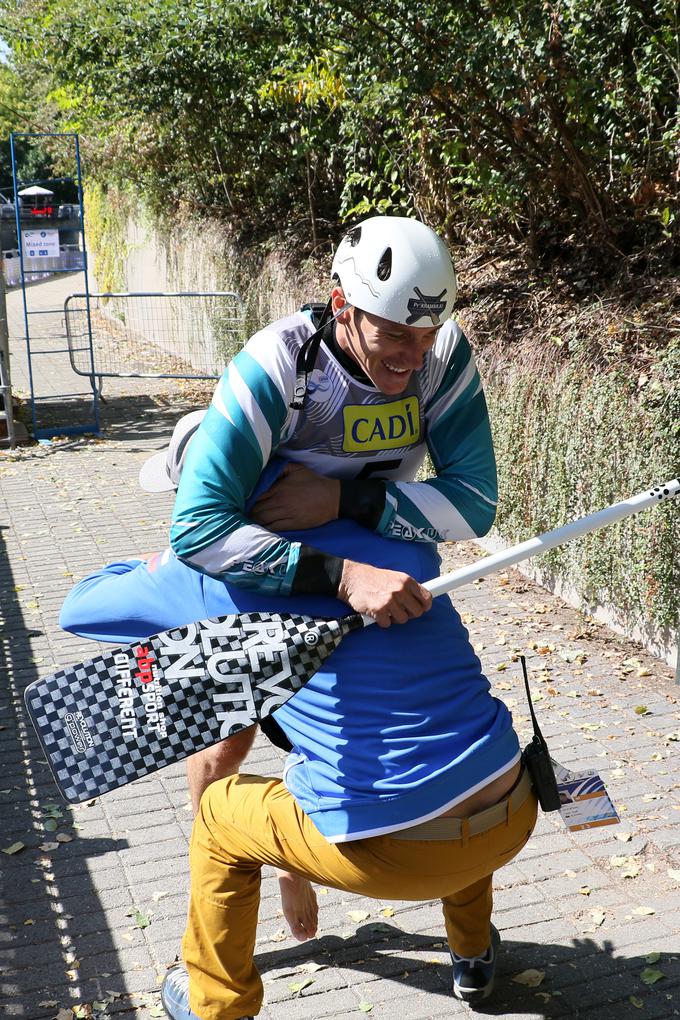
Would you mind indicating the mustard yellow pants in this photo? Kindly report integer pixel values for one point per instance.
(247, 821)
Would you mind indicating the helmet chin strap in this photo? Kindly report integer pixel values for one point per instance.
(307, 355)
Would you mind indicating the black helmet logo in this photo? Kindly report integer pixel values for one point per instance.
(426, 304)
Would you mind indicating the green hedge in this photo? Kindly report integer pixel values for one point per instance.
(575, 440)
(106, 218)
(538, 119)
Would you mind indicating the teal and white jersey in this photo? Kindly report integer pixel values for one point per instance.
(346, 430)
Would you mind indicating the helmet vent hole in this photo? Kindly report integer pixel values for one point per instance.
(354, 236)
(385, 265)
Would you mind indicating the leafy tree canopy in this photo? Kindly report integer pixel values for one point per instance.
(541, 118)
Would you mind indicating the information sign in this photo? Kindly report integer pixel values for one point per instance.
(40, 243)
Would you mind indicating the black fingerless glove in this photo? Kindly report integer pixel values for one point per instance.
(362, 500)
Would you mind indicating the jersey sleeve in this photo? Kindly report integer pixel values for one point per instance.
(460, 502)
(241, 430)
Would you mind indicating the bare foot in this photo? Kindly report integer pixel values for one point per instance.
(300, 908)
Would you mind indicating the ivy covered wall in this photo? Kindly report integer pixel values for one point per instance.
(573, 441)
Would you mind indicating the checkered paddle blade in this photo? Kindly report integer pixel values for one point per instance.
(134, 710)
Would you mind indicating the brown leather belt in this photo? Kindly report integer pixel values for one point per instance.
(452, 828)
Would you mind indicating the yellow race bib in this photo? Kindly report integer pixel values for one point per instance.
(371, 427)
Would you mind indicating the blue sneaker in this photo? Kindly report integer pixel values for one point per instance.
(474, 976)
(175, 995)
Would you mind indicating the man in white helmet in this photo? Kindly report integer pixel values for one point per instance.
(353, 406)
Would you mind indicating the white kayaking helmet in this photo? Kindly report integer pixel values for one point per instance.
(397, 268)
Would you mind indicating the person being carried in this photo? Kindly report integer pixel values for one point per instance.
(398, 749)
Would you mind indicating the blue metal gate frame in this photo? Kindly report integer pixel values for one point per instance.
(67, 429)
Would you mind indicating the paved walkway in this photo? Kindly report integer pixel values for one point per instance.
(93, 901)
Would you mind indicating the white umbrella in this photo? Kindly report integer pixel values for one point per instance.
(35, 189)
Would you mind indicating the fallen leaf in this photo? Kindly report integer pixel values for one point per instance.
(141, 921)
(643, 911)
(159, 895)
(311, 968)
(46, 847)
(652, 957)
(635, 1001)
(62, 837)
(585, 890)
(573, 655)
(642, 710)
(298, 986)
(650, 976)
(365, 1007)
(674, 874)
(598, 917)
(624, 837)
(531, 978)
(358, 915)
(14, 848)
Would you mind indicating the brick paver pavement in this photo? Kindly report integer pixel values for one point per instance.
(593, 917)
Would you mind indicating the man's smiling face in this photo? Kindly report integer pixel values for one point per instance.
(388, 352)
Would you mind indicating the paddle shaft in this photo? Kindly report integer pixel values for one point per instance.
(550, 540)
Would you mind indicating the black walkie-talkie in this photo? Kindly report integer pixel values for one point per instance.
(536, 757)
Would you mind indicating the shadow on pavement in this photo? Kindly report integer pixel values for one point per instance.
(581, 979)
(48, 902)
(125, 419)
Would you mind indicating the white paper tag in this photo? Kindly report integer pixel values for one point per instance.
(585, 801)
